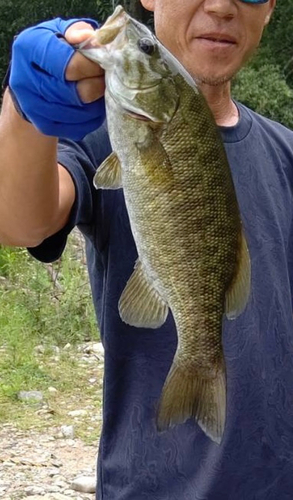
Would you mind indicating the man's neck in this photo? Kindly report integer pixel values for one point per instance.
(220, 102)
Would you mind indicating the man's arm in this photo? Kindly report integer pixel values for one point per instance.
(36, 195)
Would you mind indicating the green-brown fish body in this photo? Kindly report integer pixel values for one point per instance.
(170, 161)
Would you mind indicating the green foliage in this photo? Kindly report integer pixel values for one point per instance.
(265, 90)
(277, 42)
(266, 84)
(17, 15)
(48, 304)
(105, 8)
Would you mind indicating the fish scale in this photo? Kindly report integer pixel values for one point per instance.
(192, 256)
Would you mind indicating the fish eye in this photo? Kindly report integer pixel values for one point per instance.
(146, 45)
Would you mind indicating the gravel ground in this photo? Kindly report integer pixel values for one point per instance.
(33, 464)
(44, 464)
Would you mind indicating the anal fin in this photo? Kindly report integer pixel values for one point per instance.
(140, 304)
(108, 175)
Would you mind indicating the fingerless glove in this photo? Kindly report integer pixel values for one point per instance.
(40, 56)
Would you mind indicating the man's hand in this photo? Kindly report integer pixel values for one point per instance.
(88, 75)
(57, 89)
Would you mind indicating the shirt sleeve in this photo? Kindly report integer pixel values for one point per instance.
(81, 160)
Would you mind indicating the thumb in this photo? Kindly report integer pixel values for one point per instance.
(78, 32)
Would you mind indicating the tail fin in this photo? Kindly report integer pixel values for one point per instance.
(187, 393)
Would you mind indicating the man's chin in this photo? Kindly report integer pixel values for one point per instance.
(213, 81)
(212, 78)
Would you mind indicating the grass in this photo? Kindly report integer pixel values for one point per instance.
(48, 305)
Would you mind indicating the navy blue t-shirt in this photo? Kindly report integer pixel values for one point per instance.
(255, 458)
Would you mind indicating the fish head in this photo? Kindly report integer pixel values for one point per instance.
(139, 70)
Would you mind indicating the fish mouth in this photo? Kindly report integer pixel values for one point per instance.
(128, 86)
(137, 116)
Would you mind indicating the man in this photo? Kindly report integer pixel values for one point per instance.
(40, 203)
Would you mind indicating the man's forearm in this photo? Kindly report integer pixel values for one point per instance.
(35, 196)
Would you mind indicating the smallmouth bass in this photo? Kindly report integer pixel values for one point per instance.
(192, 255)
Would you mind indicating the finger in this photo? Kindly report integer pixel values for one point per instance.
(78, 32)
(91, 89)
(79, 67)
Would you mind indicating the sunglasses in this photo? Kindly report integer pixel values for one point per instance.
(254, 1)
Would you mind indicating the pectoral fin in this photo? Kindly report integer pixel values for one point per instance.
(108, 175)
(238, 293)
(140, 304)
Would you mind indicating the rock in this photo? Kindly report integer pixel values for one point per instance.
(67, 431)
(77, 413)
(46, 439)
(45, 411)
(52, 390)
(61, 484)
(3, 484)
(87, 360)
(3, 487)
(33, 490)
(95, 348)
(7, 464)
(39, 349)
(97, 418)
(70, 442)
(98, 348)
(53, 473)
(51, 496)
(70, 494)
(53, 488)
(30, 396)
(36, 497)
(84, 484)
(56, 463)
(55, 496)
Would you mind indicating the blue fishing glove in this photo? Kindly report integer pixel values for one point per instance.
(38, 87)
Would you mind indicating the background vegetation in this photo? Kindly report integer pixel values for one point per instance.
(45, 310)
(266, 83)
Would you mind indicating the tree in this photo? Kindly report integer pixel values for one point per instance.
(277, 45)
(266, 83)
(16, 15)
